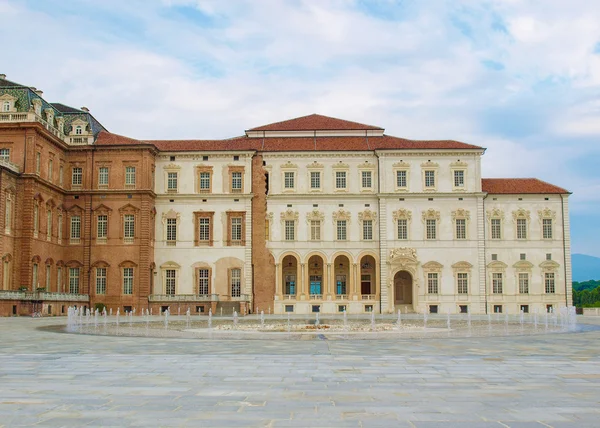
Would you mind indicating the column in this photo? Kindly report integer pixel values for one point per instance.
(278, 289)
(353, 281)
(329, 282)
(305, 289)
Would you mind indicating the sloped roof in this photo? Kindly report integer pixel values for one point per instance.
(67, 109)
(4, 82)
(519, 186)
(314, 122)
(106, 138)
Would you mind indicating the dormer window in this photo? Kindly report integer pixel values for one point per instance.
(6, 106)
(78, 130)
(7, 103)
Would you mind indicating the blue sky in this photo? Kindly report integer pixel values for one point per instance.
(521, 78)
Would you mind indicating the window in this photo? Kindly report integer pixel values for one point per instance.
(102, 227)
(76, 176)
(60, 175)
(432, 283)
(341, 230)
(494, 257)
(48, 273)
(38, 162)
(204, 230)
(521, 228)
(34, 279)
(50, 169)
(203, 281)
(6, 106)
(367, 230)
(366, 179)
(36, 219)
(59, 231)
(400, 178)
(170, 281)
(59, 279)
(75, 229)
(171, 231)
(205, 182)
(103, 176)
(315, 179)
(130, 176)
(74, 280)
(463, 283)
(461, 228)
(78, 130)
(548, 256)
(8, 213)
(288, 180)
(522, 256)
(5, 155)
(129, 227)
(429, 179)
(49, 224)
(431, 228)
(549, 282)
(547, 228)
(402, 228)
(523, 283)
(101, 280)
(290, 230)
(128, 280)
(236, 282)
(236, 230)
(497, 283)
(459, 178)
(236, 181)
(497, 309)
(496, 228)
(340, 180)
(315, 230)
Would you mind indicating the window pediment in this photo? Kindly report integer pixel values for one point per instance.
(315, 215)
(75, 209)
(289, 165)
(523, 266)
(430, 164)
(462, 266)
(459, 164)
(549, 266)
(366, 165)
(461, 213)
(36, 259)
(49, 261)
(315, 165)
(341, 215)
(497, 265)
(100, 264)
(521, 213)
(403, 254)
(402, 214)
(495, 213)
(547, 213)
(172, 167)
(128, 209)
(432, 266)
(289, 214)
(74, 264)
(127, 263)
(401, 164)
(430, 214)
(170, 265)
(340, 165)
(102, 209)
(367, 215)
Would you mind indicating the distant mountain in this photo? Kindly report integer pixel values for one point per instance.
(585, 267)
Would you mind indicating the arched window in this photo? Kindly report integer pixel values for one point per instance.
(78, 130)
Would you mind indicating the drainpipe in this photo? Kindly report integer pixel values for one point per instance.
(562, 208)
(379, 227)
(485, 256)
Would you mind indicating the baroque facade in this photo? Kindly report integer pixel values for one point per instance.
(313, 214)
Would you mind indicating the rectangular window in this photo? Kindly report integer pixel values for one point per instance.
(171, 182)
(75, 228)
(463, 283)
(205, 182)
(497, 283)
(130, 176)
(5, 155)
(367, 230)
(236, 181)
(315, 179)
(34, 277)
(101, 280)
(288, 180)
(128, 280)
(36, 220)
(236, 229)
(59, 231)
(547, 228)
(60, 175)
(128, 227)
(431, 227)
(432, 283)
(340, 179)
(400, 178)
(204, 232)
(74, 280)
(38, 162)
(341, 230)
(236, 282)
(402, 229)
(459, 178)
(549, 282)
(203, 281)
(315, 230)
(50, 169)
(102, 227)
(461, 228)
(429, 178)
(77, 176)
(367, 181)
(103, 176)
(170, 279)
(48, 273)
(59, 279)
(496, 228)
(521, 228)
(171, 231)
(8, 214)
(523, 283)
(48, 225)
(290, 230)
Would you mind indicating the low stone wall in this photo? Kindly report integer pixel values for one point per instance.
(15, 308)
(591, 311)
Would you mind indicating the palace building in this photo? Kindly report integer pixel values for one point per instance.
(313, 214)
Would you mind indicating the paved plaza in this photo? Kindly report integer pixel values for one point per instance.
(58, 379)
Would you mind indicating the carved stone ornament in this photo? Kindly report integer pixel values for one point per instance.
(403, 254)
(340, 164)
(461, 213)
(402, 214)
(172, 166)
(289, 214)
(366, 165)
(462, 266)
(495, 213)
(341, 215)
(314, 215)
(547, 213)
(367, 215)
(431, 214)
(430, 164)
(288, 165)
(315, 165)
(523, 266)
(458, 163)
(549, 266)
(497, 266)
(269, 216)
(401, 164)
(521, 213)
(432, 266)
(170, 214)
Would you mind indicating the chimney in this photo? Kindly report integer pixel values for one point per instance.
(39, 92)
(85, 109)
(2, 76)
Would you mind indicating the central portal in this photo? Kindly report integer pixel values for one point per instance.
(403, 282)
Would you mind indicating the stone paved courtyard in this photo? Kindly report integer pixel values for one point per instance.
(57, 379)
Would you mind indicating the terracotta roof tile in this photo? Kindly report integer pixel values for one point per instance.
(314, 122)
(106, 138)
(519, 186)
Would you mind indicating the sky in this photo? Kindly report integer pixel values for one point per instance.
(521, 78)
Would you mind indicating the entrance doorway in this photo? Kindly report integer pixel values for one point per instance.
(403, 282)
